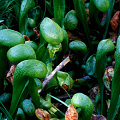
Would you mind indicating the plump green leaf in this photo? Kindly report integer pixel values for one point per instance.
(64, 79)
(90, 65)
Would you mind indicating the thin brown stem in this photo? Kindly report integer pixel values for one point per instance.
(60, 66)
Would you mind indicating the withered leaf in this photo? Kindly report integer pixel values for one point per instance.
(10, 74)
(26, 38)
(72, 37)
(65, 86)
(37, 32)
(98, 117)
(114, 20)
(71, 113)
(42, 114)
(113, 36)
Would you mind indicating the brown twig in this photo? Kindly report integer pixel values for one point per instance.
(61, 65)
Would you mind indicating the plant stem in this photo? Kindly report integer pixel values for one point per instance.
(58, 100)
(108, 17)
(60, 66)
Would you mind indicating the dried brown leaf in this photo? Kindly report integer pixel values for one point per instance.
(26, 38)
(72, 37)
(98, 117)
(42, 115)
(85, 1)
(71, 113)
(93, 91)
(113, 36)
(108, 72)
(65, 86)
(10, 74)
(37, 32)
(114, 20)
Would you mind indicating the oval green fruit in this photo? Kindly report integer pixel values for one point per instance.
(77, 45)
(5, 97)
(10, 38)
(71, 20)
(82, 101)
(31, 23)
(51, 31)
(21, 52)
(102, 5)
(28, 107)
(32, 44)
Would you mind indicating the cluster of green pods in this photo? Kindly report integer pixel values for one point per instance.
(35, 62)
(31, 66)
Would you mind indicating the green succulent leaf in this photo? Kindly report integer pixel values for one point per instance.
(90, 65)
(28, 107)
(26, 5)
(32, 44)
(51, 31)
(33, 91)
(97, 103)
(21, 52)
(103, 48)
(64, 79)
(24, 71)
(94, 8)
(71, 20)
(110, 10)
(115, 93)
(102, 5)
(82, 16)
(85, 104)
(59, 10)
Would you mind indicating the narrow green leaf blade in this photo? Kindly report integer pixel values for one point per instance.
(115, 93)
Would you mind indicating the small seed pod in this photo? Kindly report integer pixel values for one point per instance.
(31, 23)
(5, 97)
(78, 46)
(71, 20)
(28, 107)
